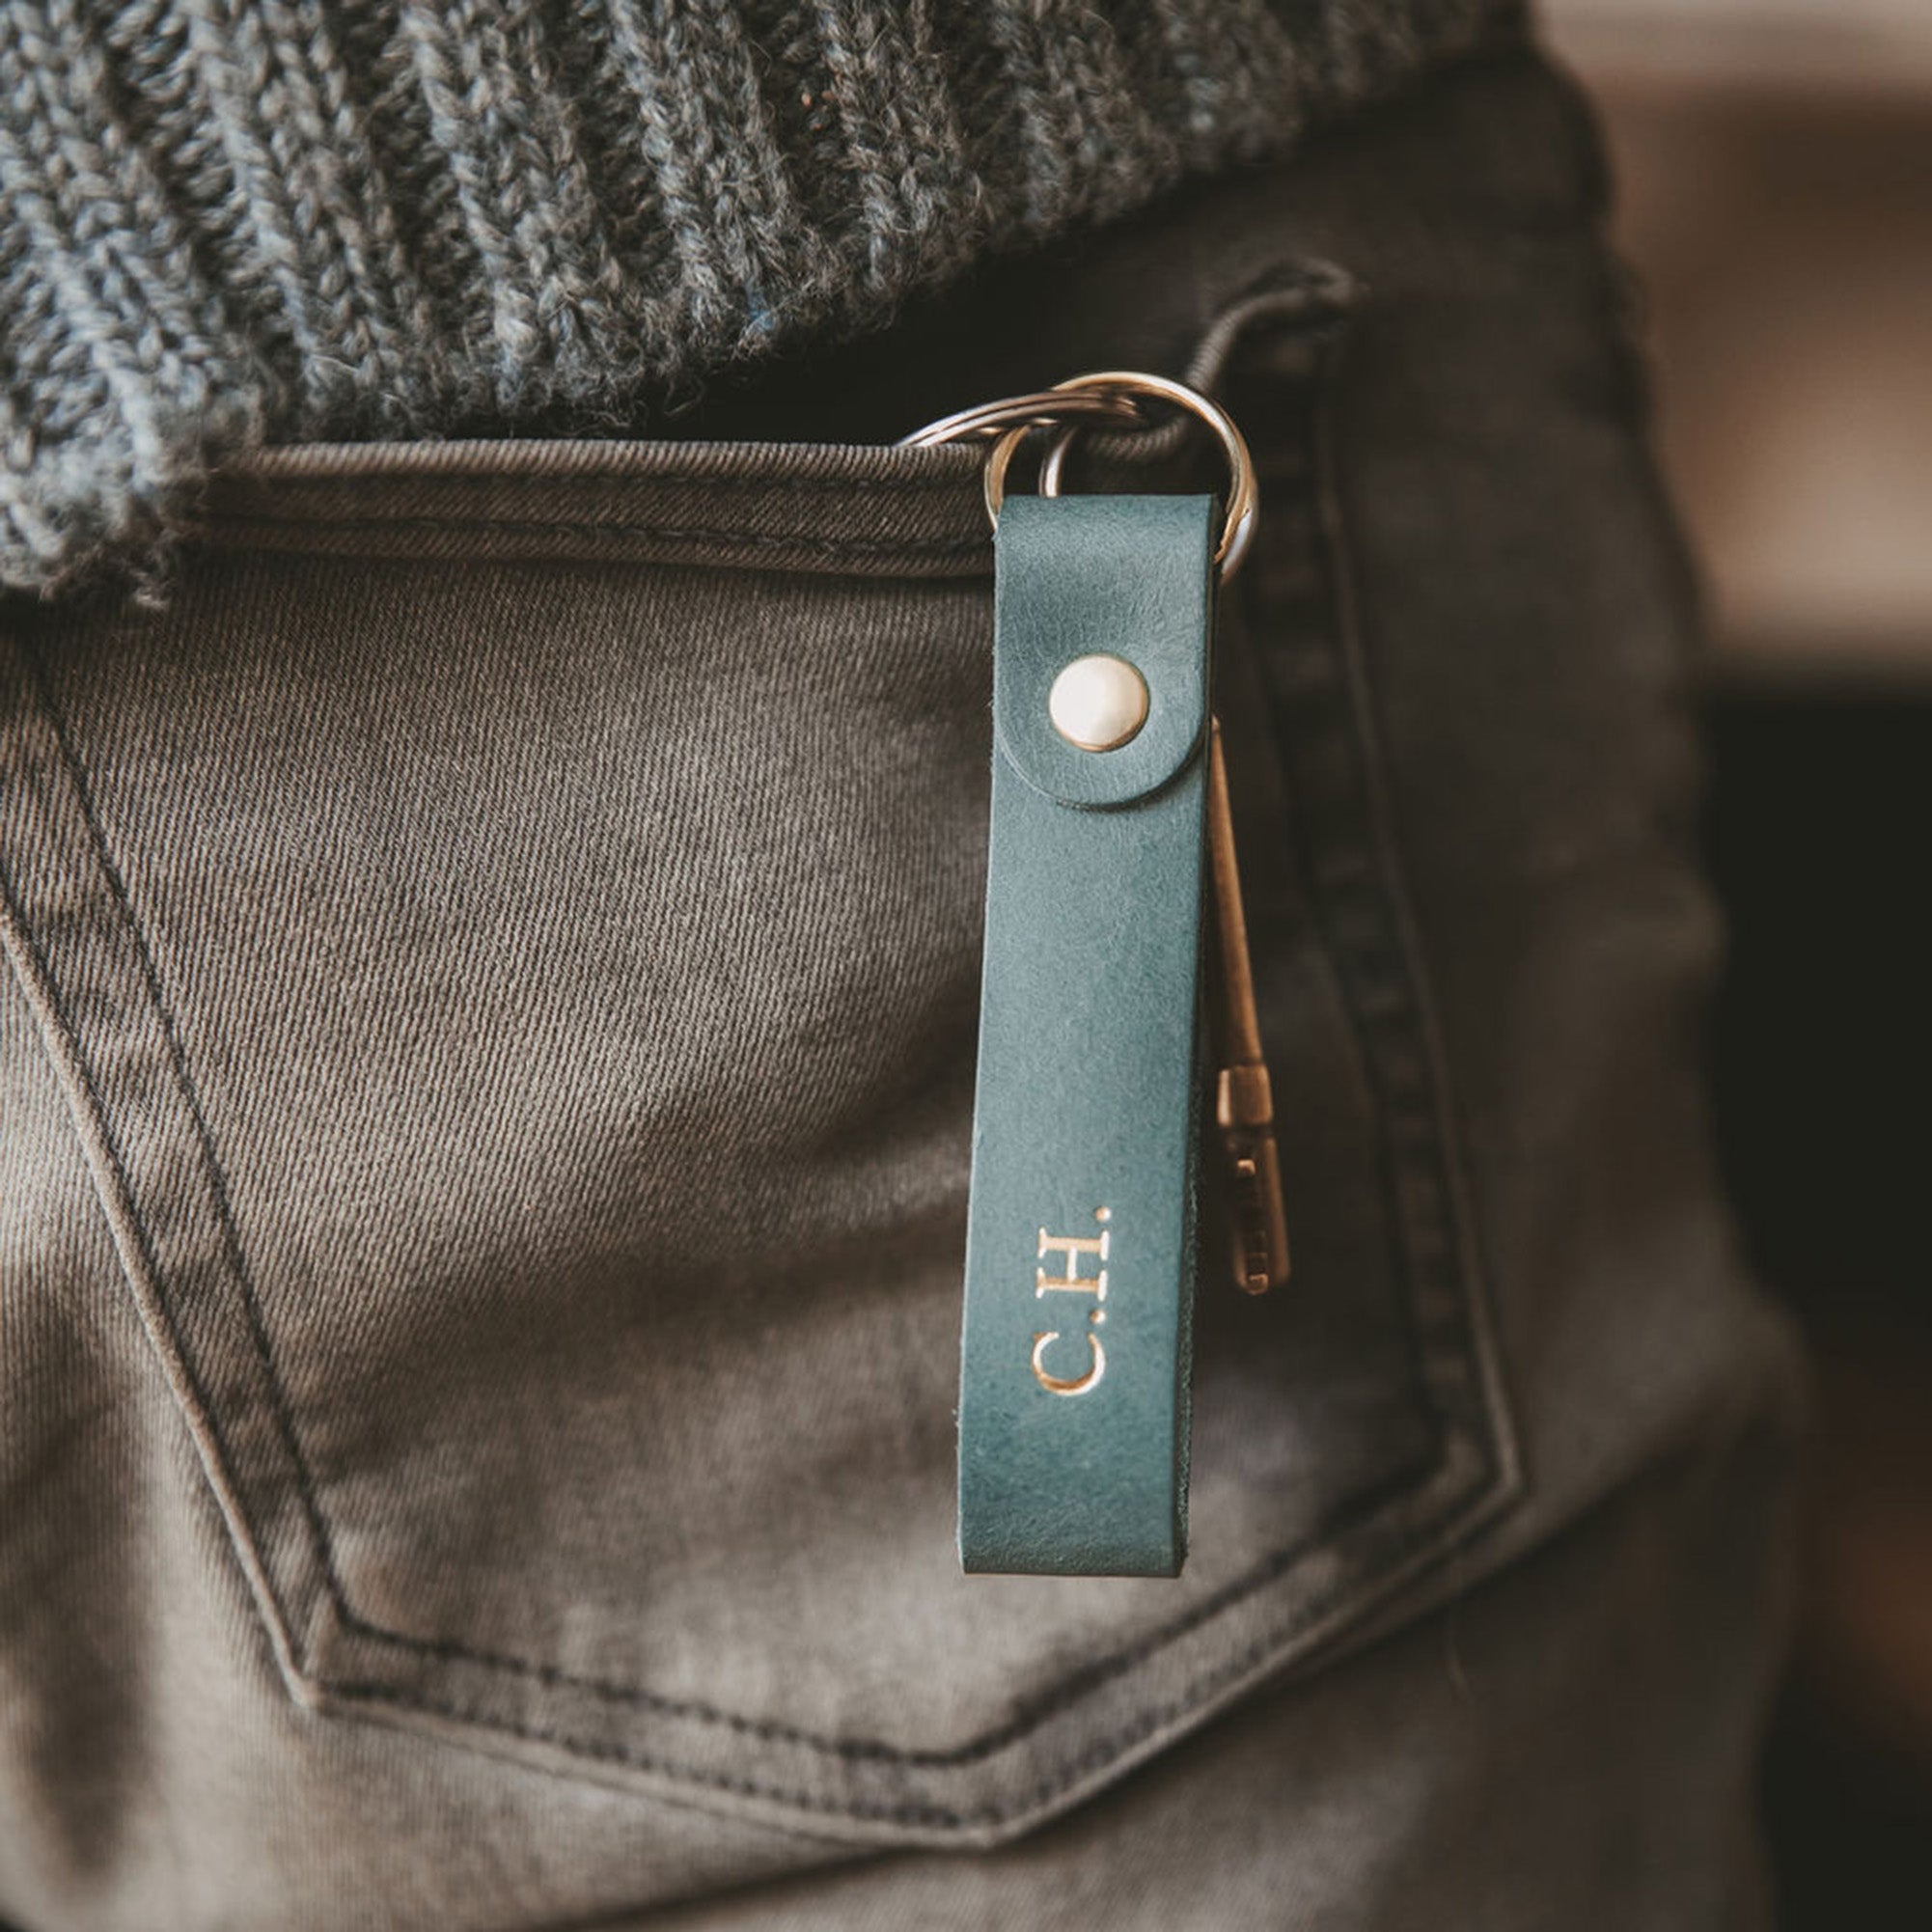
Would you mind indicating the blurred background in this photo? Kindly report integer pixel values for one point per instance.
(1775, 160)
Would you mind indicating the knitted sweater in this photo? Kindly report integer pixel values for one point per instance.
(225, 223)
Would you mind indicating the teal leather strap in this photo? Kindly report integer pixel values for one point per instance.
(1073, 1401)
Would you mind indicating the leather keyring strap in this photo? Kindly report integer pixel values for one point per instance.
(1073, 1412)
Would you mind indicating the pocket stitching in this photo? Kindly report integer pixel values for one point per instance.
(1101, 1752)
(816, 546)
(35, 690)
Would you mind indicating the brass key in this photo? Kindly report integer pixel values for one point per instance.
(1244, 1096)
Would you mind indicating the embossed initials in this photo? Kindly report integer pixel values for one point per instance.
(1071, 1248)
(1058, 1385)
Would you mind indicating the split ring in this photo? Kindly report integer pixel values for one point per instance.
(1237, 528)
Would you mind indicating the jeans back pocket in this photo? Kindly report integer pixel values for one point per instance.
(508, 926)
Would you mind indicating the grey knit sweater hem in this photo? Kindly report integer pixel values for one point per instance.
(225, 223)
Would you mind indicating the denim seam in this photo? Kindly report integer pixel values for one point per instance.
(1090, 1758)
(736, 540)
(13, 902)
(1359, 960)
(203, 1138)
(613, 481)
(1116, 1663)
(1483, 1407)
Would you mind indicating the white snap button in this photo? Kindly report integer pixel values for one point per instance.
(1098, 703)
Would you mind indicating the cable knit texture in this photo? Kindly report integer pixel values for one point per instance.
(230, 222)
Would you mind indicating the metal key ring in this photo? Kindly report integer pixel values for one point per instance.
(1237, 529)
(986, 419)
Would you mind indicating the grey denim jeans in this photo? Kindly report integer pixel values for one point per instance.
(485, 1059)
